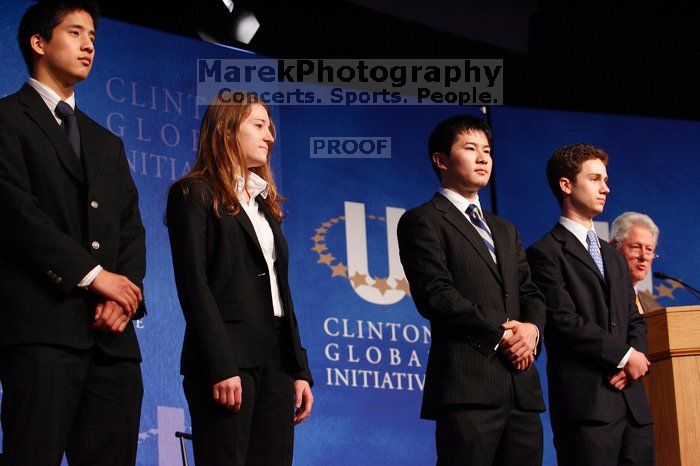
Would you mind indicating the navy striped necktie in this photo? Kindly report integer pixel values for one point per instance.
(475, 217)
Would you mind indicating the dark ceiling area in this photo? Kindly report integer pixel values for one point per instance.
(624, 58)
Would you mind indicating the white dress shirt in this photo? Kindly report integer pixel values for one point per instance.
(257, 186)
(581, 234)
(51, 99)
(460, 201)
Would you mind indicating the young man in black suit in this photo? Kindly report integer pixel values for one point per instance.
(72, 258)
(469, 277)
(595, 338)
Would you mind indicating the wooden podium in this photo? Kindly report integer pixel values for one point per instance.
(673, 384)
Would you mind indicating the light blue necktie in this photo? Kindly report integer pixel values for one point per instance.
(594, 250)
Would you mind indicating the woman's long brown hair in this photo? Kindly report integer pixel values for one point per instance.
(220, 158)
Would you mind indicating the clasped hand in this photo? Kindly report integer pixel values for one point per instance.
(117, 288)
(636, 367)
(519, 343)
(110, 317)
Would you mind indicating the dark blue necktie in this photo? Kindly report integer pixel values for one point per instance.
(70, 125)
(475, 216)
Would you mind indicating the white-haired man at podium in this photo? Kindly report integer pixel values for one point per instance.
(636, 235)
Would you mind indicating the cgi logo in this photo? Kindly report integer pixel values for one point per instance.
(350, 148)
(372, 288)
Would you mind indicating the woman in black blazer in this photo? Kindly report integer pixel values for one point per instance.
(246, 375)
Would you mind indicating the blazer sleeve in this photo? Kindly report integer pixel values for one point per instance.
(432, 286)
(532, 307)
(187, 219)
(305, 372)
(636, 324)
(578, 333)
(33, 236)
(132, 235)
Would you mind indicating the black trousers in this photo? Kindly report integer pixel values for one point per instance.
(621, 442)
(478, 435)
(81, 402)
(262, 432)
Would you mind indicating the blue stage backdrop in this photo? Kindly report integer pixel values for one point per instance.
(367, 344)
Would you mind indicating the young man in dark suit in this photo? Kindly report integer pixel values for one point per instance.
(72, 258)
(469, 277)
(595, 338)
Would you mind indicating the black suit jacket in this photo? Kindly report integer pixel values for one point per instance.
(456, 285)
(60, 219)
(224, 287)
(591, 323)
(647, 302)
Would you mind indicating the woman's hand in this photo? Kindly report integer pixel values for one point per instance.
(303, 400)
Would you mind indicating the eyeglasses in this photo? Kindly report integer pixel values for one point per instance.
(639, 250)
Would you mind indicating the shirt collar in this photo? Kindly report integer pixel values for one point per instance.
(460, 201)
(578, 230)
(49, 96)
(256, 185)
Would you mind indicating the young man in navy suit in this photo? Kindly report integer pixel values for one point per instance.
(72, 258)
(469, 277)
(595, 338)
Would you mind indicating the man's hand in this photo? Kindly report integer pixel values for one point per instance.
(637, 365)
(506, 336)
(522, 343)
(110, 317)
(525, 364)
(117, 288)
(229, 393)
(619, 379)
(303, 400)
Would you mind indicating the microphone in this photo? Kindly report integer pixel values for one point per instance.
(664, 276)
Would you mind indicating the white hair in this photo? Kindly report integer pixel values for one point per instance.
(622, 225)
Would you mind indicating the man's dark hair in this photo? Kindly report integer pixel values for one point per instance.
(566, 163)
(445, 133)
(43, 17)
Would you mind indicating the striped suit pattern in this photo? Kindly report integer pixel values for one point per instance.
(466, 296)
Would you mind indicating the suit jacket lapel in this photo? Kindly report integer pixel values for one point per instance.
(280, 244)
(282, 259)
(610, 267)
(464, 226)
(89, 146)
(244, 221)
(39, 112)
(574, 247)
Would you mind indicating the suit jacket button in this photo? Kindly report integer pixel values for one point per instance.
(614, 324)
(95, 245)
(94, 204)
